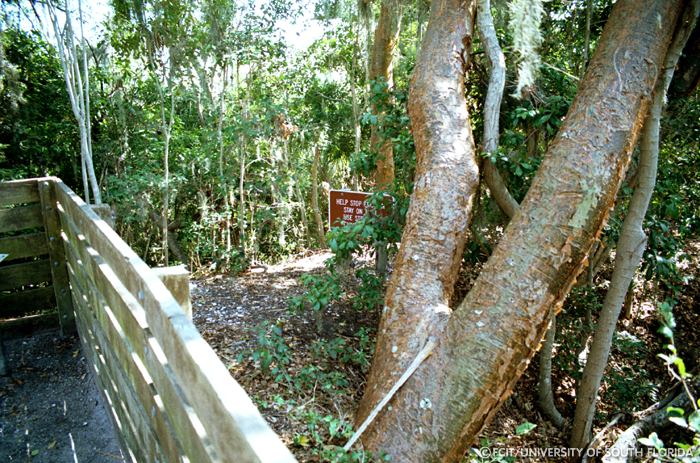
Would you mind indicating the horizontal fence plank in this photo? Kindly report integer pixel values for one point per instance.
(108, 389)
(19, 192)
(28, 273)
(129, 316)
(129, 408)
(21, 218)
(226, 411)
(20, 247)
(124, 353)
(30, 322)
(28, 301)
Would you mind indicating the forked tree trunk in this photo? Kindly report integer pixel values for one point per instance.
(486, 343)
(386, 36)
(446, 181)
(630, 246)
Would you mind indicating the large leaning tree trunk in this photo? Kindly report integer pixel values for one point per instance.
(483, 347)
(630, 245)
(386, 36)
(446, 180)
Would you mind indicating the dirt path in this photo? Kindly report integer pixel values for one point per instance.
(319, 375)
(50, 409)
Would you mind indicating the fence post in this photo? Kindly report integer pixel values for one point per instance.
(177, 280)
(104, 211)
(57, 257)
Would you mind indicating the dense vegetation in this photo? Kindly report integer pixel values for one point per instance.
(208, 113)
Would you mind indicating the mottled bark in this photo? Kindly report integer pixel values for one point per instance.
(434, 236)
(386, 36)
(630, 246)
(487, 342)
(492, 107)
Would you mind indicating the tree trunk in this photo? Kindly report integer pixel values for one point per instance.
(357, 127)
(545, 394)
(486, 343)
(320, 230)
(492, 108)
(587, 36)
(630, 248)
(433, 240)
(78, 87)
(302, 208)
(223, 179)
(386, 36)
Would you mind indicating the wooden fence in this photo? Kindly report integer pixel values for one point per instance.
(171, 398)
(26, 289)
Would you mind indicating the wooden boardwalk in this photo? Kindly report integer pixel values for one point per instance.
(170, 396)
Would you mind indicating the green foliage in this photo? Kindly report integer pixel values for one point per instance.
(524, 428)
(37, 133)
(370, 294)
(690, 422)
(271, 352)
(321, 290)
(628, 381)
(673, 213)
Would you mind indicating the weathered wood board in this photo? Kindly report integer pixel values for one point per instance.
(175, 397)
(25, 274)
(20, 218)
(19, 192)
(23, 246)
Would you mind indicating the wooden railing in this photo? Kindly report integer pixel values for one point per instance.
(171, 398)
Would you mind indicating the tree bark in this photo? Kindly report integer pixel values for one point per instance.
(630, 248)
(545, 393)
(433, 240)
(320, 230)
(386, 36)
(486, 343)
(492, 108)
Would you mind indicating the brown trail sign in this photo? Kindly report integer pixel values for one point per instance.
(346, 207)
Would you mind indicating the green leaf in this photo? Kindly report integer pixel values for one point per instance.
(679, 421)
(652, 441)
(678, 362)
(666, 331)
(524, 428)
(694, 420)
(675, 411)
